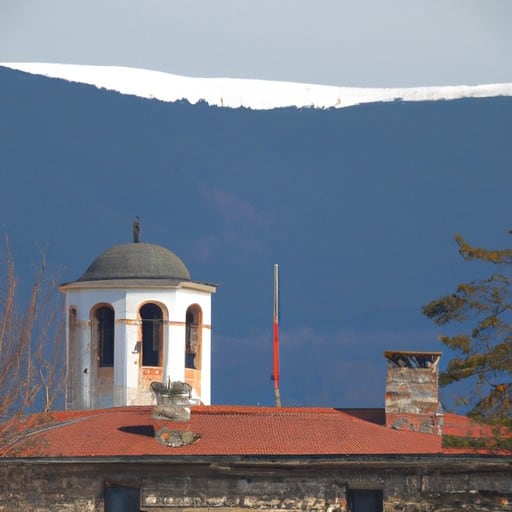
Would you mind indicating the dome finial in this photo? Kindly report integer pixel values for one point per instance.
(136, 230)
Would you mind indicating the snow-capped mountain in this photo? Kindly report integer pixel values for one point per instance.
(254, 94)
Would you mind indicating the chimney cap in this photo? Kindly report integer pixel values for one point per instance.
(412, 359)
(391, 353)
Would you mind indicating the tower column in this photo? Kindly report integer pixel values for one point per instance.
(175, 364)
(206, 365)
(121, 388)
(85, 369)
(132, 360)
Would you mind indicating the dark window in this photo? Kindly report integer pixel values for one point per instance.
(73, 316)
(122, 499)
(104, 327)
(152, 333)
(361, 500)
(192, 337)
(73, 381)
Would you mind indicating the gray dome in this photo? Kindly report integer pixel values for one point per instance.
(136, 261)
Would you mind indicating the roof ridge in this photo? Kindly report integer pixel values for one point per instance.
(254, 412)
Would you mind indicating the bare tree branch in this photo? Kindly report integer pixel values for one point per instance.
(32, 369)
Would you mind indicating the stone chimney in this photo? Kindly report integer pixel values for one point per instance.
(412, 398)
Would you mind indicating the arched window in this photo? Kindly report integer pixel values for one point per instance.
(72, 322)
(103, 334)
(152, 335)
(73, 362)
(73, 333)
(193, 337)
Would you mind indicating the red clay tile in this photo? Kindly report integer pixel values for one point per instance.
(224, 430)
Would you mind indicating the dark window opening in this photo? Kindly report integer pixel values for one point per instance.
(122, 499)
(104, 325)
(152, 333)
(73, 317)
(192, 337)
(73, 362)
(362, 500)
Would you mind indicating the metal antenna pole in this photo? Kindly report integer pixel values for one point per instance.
(275, 375)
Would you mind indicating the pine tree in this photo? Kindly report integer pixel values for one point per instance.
(483, 354)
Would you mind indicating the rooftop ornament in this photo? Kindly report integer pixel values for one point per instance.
(173, 405)
(136, 230)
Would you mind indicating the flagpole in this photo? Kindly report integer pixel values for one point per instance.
(275, 375)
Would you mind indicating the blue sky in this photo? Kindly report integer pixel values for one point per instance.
(352, 43)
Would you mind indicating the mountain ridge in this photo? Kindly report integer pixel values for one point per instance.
(246, 93)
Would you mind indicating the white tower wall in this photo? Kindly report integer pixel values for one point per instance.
(100, 308)
(129, 378)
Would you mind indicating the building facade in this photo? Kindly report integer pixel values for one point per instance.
(135, 317)
(243, 459)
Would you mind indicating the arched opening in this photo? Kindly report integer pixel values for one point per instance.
(73, 318)
(152, 335)
(73, 329)
(103, 335)
(193, 337)
(73, 360)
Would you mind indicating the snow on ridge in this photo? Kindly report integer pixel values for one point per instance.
(236, 92)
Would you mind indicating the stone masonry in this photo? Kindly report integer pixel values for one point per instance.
(410, 484)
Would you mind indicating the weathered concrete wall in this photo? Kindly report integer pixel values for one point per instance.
(449, 491)
(80, 487)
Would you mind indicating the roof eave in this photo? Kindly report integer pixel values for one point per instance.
(138, 283)
(222, 462)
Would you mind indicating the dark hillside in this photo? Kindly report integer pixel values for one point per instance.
(358, 206)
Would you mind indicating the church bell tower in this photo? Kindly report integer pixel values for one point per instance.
(136, 316)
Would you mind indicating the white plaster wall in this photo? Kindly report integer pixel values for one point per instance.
(206, 371)
(176, 303)
(184, 299)
(126, 304)
(84, 300)
(85, 365)
(121, 363)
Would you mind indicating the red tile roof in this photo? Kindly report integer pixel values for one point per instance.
(457, 425)
(489, 439)
(224, 430)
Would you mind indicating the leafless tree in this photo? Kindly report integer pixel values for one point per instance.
(32, 369)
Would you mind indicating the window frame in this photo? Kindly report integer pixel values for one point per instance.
(148, 331)
(103, 328)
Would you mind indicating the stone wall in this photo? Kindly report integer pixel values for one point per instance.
(413, 486)
(412, 397)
